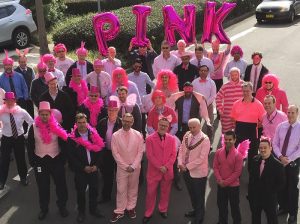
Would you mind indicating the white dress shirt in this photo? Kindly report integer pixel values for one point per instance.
(64, 65)
(252, 76)
(109, 67)
(161, 63)
(103, 79)
(240, 64)
(207, 89)
(204, 61)
(85, 137)
(60, 78)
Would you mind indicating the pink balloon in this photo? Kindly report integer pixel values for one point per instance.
(103, 35)
(185, 27)
(141, 12)
(57, 115)
(213, 22)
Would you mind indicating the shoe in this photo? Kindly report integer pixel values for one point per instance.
(177, 186)
(80, 217)
(164, 214)
(190, 214)
(282, 211)
(115, 217)
(146, 219)
(63, 212)
(24, 181)
(96, 213)
(292, 219)
(132, 213)
(42, 215)
(1, 186)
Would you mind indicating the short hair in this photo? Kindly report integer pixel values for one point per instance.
(163, 119)
(247, 84)
(204, 66)
(80, 116)
(235, 69)
(296, 107)
(199, 48)
(128, 115)
(138, 60)
(256, 53)
(266, 139)
(122, 88)
(231, 133)
(194, 120)
(165, 42)
(111, 47)
(270, 96)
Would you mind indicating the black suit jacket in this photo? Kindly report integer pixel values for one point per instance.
(264, 188)
(185, 75)
(64, 104)
(28, 76)
(262, 73)
(38, 87)
(136, 113)
(83, 109)
(89, 68)
(102, 127)
(77, 155)
(194, 112)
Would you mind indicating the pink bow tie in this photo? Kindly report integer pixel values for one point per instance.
(9, 75)
(202, 80)
(81, 62)
(185, 67)
(51, 70)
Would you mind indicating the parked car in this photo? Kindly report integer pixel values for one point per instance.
(277, 10)
(16, 24)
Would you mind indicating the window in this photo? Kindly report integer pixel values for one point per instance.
(7, 11)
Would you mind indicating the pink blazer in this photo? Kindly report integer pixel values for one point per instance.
(160, 153)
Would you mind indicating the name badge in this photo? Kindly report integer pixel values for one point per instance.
(39, 169)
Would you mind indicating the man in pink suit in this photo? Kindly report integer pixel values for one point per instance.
(193, 162)
(127, 150)
(161, 155)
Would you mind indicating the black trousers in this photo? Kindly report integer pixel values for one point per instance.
(288, 197)
(196, 188)
(219, 83)
(144, 121)
(7, 145)
(269, 207)
(107, 169)
(231, 195)
(82, 180)
(47, 167)
(182, 129)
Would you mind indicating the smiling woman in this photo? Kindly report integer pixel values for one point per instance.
(277, 10)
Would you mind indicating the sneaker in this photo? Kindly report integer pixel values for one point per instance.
(131, 213)
(115, 217)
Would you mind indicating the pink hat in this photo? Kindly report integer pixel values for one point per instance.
(41, 65)
(94, 89)
(98, 62)
(113, 104)
(82, 50)
(48, 57)
(59, 47)
(76, 72)
(44, 105)
(9, 96)
(7, 60)
(186, 53)
(49, 77)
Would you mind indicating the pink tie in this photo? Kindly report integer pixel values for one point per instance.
(262, 166)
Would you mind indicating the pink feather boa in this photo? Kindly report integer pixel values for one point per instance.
(14, 109)
(51, 127)
(94, 109)
(81, 90)
(97, 142)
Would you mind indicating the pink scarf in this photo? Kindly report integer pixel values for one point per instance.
(14, 109)
(81, 90)
(95, 146)
(94, 109)
(52, 126)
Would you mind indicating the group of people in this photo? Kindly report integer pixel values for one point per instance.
(98, 118)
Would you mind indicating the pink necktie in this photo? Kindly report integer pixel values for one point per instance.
(262, 166)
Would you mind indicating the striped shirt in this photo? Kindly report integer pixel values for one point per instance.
(227, 95)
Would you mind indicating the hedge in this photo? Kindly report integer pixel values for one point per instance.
(71, 32)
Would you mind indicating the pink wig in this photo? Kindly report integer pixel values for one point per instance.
(59, 47)
(115, 73)
(270, 78)
(7, 60)
(236, 49)
(158, 93)
(49, 57)
(172, 84)
(41, 65)
(82, 50)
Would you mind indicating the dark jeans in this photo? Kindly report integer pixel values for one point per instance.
(288, 197)
(18, 145)
(196, 188)
(262, 205)
(219, 83)
(45, 168)
(231, 195)
(82, 180)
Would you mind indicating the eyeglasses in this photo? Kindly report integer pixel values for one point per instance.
(165, 48)
(60, 51)
(268, 82)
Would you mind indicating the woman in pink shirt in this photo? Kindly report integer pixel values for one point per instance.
(270, 86)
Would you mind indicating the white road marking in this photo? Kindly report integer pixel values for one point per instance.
(243, 33)
(4, 191)
(6, 217)
(17, 178)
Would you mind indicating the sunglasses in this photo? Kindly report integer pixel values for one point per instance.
(268, 82)
(93, 95)
(42, 71)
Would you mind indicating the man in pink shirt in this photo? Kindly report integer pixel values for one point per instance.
(193, 162)
(127, 150)
(228, 165)
(161, 155)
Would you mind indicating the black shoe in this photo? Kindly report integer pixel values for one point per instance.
(96, 213)
(190, 214)
(177, 186)
(163, 214)
(24, 181)
(292, 219)
(63, 212)
(282, 211)
(42, 215)
(1, 186)
(80, 217)
(146, 219)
